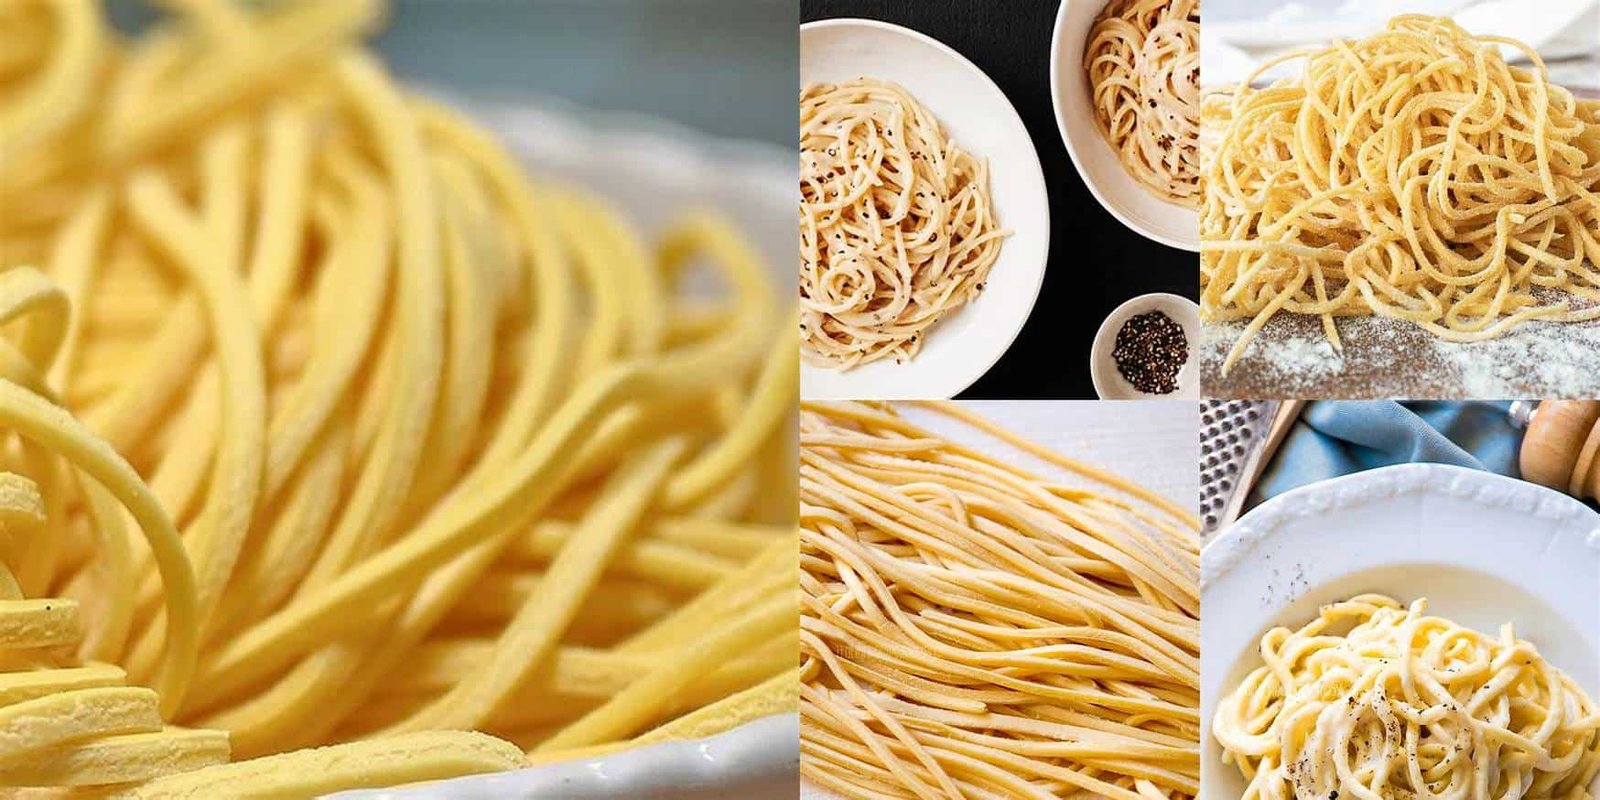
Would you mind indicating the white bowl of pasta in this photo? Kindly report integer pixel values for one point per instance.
(946, 333)
(1165, 210)
(1483, 550)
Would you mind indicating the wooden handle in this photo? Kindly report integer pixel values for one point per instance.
(1554, 441)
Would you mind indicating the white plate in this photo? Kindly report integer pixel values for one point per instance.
(1483, 548)
(978, 118)
(1126, 198)
(1109, 383)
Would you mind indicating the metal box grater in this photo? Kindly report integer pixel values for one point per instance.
(1232, 436)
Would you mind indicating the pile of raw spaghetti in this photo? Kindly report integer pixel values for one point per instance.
(324, 423)
(972, 630)
(1414, 174)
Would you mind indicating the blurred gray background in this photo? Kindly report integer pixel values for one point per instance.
(727, 67)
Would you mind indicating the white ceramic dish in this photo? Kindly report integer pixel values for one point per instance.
(1126, 199)
(634, 161)
(1109, 383)
(1484, 549)
(738, 763)
(978, 117)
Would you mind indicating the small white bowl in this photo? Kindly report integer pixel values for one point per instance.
(1483, 548)
(1126, 198)
(978, 117)
(1109, 383)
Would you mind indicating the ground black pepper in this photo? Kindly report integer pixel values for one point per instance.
(1150, 351)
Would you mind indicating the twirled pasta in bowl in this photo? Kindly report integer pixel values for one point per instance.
(1125, 86)
(1372, 698)
(1417, 631)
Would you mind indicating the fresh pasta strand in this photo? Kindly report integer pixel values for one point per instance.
(1373, 699)
(970, 630)
(1143, 63)
(1413, 174)
(897, 229)
(333, 446)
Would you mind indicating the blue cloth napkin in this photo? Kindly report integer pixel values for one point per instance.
(1335, 438)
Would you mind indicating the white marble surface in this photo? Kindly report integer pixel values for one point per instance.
(1155, 443)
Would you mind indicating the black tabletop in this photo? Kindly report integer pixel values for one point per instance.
(1095, 261)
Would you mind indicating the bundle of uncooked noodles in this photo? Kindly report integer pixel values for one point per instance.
(897, 230)
(1413, 174)
(1375, 700)
(1143, 63)
(323, 422)
(971, 630)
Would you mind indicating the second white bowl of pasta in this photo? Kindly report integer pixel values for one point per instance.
(1129, 113)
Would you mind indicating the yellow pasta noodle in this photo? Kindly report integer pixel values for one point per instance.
(333, 446)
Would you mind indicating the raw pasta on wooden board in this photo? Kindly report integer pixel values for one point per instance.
(1414, 176)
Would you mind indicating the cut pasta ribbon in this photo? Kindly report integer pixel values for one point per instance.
(373, 460)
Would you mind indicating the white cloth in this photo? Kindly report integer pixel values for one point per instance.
(1239, 34)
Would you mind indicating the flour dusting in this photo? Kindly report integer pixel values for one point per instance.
(1392, 358)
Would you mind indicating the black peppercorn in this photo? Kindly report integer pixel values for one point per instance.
(1149, 352)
